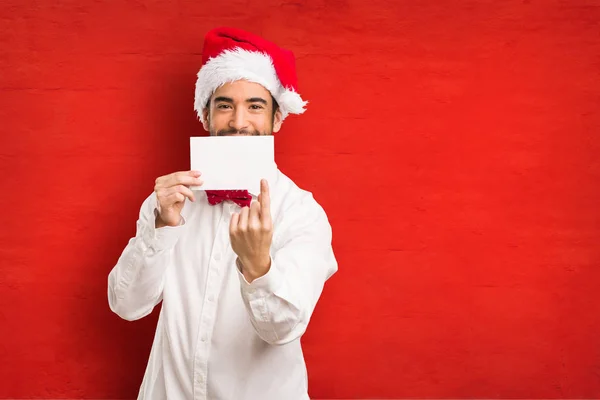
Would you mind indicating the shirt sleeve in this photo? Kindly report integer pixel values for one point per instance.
(281, 302)
(135, 283)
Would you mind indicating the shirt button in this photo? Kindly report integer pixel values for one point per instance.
(203, 338)
(217, 256)
(211, 298)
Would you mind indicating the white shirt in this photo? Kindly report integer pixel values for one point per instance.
(219, 337)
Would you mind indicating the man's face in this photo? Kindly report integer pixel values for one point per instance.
(241, 108)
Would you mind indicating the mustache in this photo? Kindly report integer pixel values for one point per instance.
(224, 132)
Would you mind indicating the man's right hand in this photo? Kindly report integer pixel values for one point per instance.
(171, 191)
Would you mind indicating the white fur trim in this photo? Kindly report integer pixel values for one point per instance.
(253, 66)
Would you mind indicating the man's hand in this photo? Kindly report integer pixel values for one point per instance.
(171, 191)
(251, 232)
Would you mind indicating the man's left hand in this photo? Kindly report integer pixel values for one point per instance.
(251, 233)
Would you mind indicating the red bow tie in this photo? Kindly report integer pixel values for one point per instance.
(240, 197)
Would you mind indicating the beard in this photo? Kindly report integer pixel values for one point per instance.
(233, 131)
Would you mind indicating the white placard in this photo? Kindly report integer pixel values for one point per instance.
(233, 162)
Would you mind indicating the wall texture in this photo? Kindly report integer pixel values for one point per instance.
(453, 143)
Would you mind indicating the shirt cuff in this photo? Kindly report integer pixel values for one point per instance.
(263, 286)
(162, 238)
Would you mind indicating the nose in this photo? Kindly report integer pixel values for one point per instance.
(239, 120)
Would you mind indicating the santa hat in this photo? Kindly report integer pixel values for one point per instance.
(232, 54)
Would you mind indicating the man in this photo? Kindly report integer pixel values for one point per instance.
(238, 273)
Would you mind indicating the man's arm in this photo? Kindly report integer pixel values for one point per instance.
(135, 283)
(280, 303)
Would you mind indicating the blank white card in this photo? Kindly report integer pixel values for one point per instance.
(233, 162)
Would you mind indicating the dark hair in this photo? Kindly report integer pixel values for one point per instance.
(275, 105)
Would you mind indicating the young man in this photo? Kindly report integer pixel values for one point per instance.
(238, 273)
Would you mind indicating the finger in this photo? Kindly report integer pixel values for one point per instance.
(186, 181)
(179, 189)
(165, 178)
(184, 190)
(172, 199)
(265, 201)
(233, 224)
(243, 223)
(163, 193)
(254, 217)
(182, 178)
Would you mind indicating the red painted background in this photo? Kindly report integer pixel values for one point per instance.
(454, 144)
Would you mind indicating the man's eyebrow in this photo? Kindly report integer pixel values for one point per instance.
(257, 100)
(225, 99)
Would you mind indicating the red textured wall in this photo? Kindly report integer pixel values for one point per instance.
(454, 145)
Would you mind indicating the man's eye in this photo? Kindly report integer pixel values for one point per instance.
(256, 107)
(223, 106)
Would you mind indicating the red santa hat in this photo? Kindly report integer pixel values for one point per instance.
(232, 54)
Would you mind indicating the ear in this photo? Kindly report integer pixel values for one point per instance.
(277, 121)
(205, 122)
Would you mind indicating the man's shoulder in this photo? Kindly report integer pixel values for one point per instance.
(290, 193)
(296, 213)
(290, 197)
